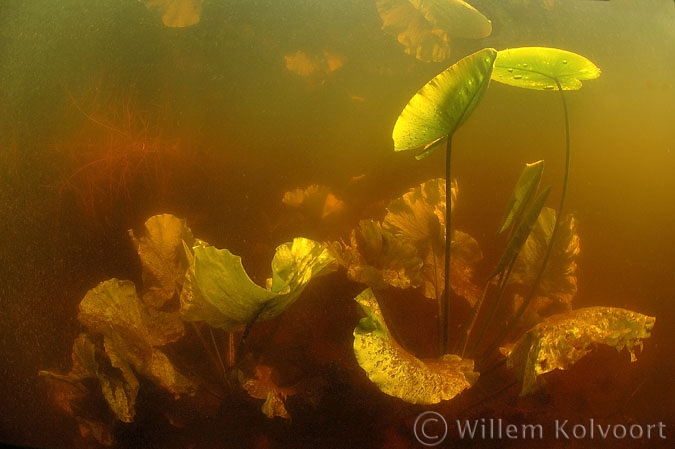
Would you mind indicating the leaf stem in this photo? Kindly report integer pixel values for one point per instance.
(549, 249)
(445, 322)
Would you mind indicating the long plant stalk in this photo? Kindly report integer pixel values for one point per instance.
(551, 243)
(445, 320)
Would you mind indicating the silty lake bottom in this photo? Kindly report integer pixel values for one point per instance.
(260, 122)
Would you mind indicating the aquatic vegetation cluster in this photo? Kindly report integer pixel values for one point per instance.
(115, 147)
(520, 315)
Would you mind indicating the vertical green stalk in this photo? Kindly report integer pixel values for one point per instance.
(445, 320)
(549, 249)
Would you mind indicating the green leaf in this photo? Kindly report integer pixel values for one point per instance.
(543, 68)
(218, 290)
(398, 373)
(561, 340)
(435, 112)
(526, 187)
(522, 232)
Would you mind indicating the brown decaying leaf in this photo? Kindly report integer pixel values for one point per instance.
(177, 13)
(315, 201)
(561, 340)
(424, 27)
(131, 333)
(160, 248)
(264, 387)
(558, 285)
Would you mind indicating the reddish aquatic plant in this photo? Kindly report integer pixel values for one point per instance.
(116, 152)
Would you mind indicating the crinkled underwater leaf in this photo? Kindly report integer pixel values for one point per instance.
(435, 112)
(543, 68)
(131, 333)
(559, 281)
(264, 387)
(419, 216)
(561, 340)
(218, 290)
(378, 258)
(160, 249)
(119, 387)
(315, 201)
(424, 28)
(398, 373)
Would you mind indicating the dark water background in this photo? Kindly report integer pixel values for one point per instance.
(74, 74)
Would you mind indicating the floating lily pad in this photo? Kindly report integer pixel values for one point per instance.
(435, 112)
(543, 68)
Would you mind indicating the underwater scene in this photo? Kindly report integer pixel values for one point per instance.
(225, 223)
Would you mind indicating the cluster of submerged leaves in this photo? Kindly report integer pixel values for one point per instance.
(184, 279)
(403, 252)
(187, 280)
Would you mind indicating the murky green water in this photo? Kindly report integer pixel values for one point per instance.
(108, 116)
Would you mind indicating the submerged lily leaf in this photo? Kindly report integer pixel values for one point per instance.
(177, 13)
(378, 258)
(160, 249)
(119, 387)
(316, 201)
(435, 112)
(543, 68)
(264, 387)
(425, 28)
(419, 216)
(218, 290)
(524, 191)
(131, 333)
(398, 373)
(559, 281)
(561, 340)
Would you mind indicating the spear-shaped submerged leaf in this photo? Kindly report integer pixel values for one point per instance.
(398, 373)
(561, 340)
(523, 192)
(543, 68)
(218, 290)
(435, 112)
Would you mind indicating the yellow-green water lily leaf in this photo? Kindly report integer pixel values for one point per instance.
(523, 192)
(543, 68)
(561, 340)
(218, 290)
(160, 248)
(522, 232)
(398, 373)
(435, 112)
